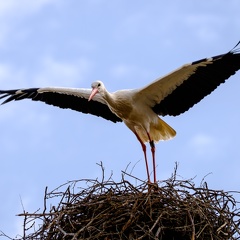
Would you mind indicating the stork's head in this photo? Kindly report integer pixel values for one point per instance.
(97, 87)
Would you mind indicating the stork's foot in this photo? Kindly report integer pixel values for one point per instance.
(152, 187)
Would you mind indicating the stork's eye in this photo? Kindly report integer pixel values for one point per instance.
(99, 85)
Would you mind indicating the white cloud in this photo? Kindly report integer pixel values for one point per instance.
(61, 73)
(5, 71)
(121, 70)
(11, 11)
(204, 144)
(23, 7)
(11, 76)
(127, 73)
(132, 24)
(200, 27)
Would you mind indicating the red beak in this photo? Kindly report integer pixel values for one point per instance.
(93, 93)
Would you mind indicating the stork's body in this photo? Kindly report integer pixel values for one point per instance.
(129, 106)
(139, 109)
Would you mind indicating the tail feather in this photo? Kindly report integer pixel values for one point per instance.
(159, 130)
(162, 131)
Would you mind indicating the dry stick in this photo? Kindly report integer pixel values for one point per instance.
(115, 202)
(193, 225)
(156, 222)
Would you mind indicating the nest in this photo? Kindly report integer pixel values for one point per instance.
(173, 210)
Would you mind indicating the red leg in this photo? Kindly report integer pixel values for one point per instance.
(153, 158)
(152, 145)
(145, 155)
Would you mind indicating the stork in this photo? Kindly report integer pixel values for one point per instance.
(139, 109)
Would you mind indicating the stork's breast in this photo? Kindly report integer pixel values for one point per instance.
(122, 109)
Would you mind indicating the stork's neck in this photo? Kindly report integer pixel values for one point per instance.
(108, 97)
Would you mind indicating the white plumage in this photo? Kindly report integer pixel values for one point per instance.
(139, 109)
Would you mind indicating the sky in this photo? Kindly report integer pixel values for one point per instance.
(125, 44)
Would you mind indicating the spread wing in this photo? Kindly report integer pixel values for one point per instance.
(72, 98)
(178, 91)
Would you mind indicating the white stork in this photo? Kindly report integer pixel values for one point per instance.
(139, 109)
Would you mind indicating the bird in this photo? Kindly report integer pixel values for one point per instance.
(140, 109)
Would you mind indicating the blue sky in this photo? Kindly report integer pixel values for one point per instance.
(126, 44)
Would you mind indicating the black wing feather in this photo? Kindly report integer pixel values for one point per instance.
(63, 101)
(201, 83)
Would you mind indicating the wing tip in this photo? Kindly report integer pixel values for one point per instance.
(235, 49)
